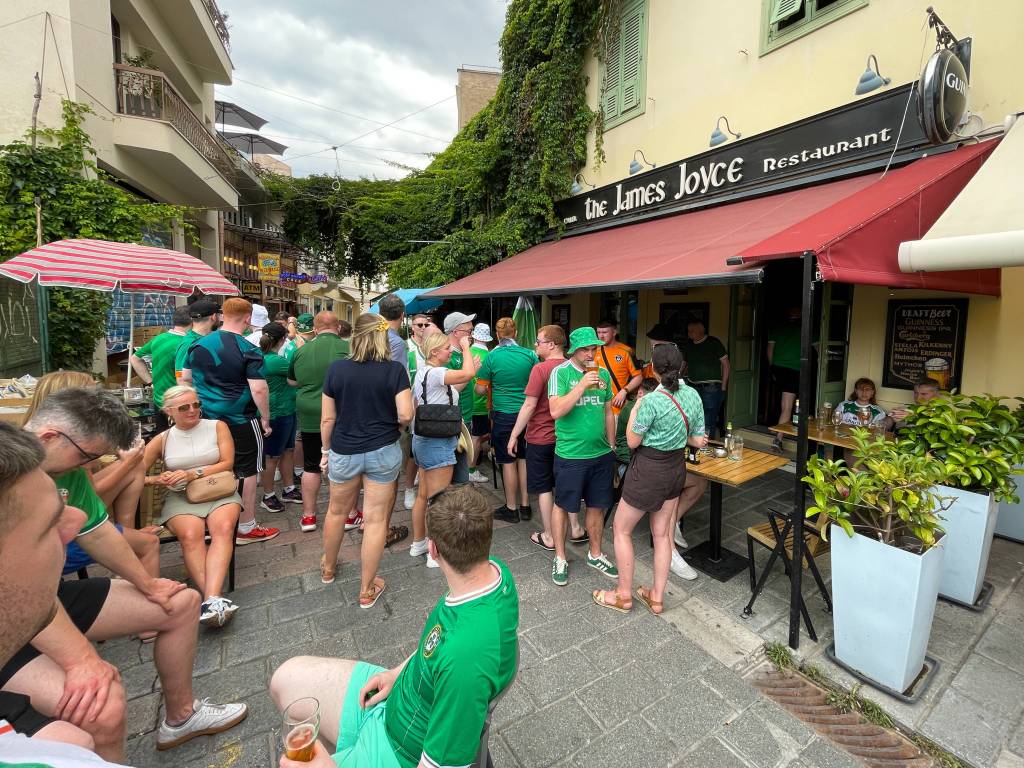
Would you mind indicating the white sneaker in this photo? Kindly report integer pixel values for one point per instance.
(431, 562)
(476, 476)
(216, 611)
(418, 548)
(410, 498)
(681, 568)
(680, 541)
(207, 718)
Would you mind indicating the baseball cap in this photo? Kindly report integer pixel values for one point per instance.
(260, 316)
(304, 323)
(203, 308)
(482, 332)
(455, 319)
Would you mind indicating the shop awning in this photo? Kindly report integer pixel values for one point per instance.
(854, 225)
(984, 225)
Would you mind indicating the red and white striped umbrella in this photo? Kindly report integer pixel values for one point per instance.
(100, 265)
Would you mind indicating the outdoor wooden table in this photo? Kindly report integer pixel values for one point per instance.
(710, 556)
(826, 436)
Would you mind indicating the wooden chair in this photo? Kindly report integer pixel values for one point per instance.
(763, 534)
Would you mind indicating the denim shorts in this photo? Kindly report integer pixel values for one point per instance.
(434, 452)
(281, 438)
(379, 466)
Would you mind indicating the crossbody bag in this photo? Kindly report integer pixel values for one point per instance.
(437, 419)
(213, 487)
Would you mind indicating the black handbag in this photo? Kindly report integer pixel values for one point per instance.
(440, 419)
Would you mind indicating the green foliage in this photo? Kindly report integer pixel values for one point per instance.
(488, 195)
(888, 495)
(78, 200)
(979, 439)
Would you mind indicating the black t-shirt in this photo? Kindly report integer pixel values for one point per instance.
(364, 403)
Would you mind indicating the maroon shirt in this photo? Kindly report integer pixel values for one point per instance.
(541, 429)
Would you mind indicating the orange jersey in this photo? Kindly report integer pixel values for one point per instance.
(617, 358)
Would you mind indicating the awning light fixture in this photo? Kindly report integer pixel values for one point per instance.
(577, 187)
(635, 167)
(871, 79)
(717, 137)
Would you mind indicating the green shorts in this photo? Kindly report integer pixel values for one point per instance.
(362, 736)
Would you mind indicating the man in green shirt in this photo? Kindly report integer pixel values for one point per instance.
(430, 709)
(458, 325)
(161, 351)
(580, 400)
(307, 371)
(707, 371)
(784, 359)
(205, 315)
(481, 426)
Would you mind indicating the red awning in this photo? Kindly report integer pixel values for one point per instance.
(855, 225)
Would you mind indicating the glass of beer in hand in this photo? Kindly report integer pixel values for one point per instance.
(301, 727)
(592, 366)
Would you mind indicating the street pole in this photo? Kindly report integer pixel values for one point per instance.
(42, 302)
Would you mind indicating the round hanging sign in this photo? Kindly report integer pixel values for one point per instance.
(943, 95)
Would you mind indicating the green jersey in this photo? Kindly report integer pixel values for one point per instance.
(466, 656)
(309, 367)
(466, 393)
(82, 495)
(659, 421)
(622, 452)
(580, 434)
(786, 353)
(480, 404)
(507, 369)
(161, 351)
(282, 396)
(181, 353)
(704, 360)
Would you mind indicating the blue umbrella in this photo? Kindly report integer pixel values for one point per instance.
(413, 302)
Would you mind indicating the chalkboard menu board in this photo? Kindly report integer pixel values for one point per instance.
(924, 337)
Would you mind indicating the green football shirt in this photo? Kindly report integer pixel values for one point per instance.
(465, 394)
(467, 655)
(786, 353)
(507, 369)
(622, 452)
(181, 353)
(309, 367)
(480, 404)
(82, 495)
(282, 396)
(659, 421)
(704, 360)
(161, 351)
(580, 434)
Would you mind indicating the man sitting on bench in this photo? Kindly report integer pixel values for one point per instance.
(430, 710)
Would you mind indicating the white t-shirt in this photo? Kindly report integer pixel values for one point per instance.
(437, 392)
(16, 748)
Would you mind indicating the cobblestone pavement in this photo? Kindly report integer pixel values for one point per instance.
(594, 688)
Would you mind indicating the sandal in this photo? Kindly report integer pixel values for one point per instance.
(395, 534)
(582, 539)
(370, 597)
(326, 574)
(618, 603)
(643, 594)
(538, 538)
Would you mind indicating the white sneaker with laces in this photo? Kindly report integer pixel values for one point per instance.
(476, 476)
(418, 548)
(410, 498)
(680, 541)
(681, 568)
(207, 718)
(431, 562)
(217, 611)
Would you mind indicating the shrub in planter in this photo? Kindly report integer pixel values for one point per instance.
(885, 572)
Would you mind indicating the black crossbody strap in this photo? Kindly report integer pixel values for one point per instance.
(608, 367)
(451, 400)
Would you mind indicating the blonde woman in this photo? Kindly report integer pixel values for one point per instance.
(435, 384)
(195, 447)
(365, 403)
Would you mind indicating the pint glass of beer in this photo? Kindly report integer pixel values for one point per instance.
(592, 366)
(937, 369)
(301, 727)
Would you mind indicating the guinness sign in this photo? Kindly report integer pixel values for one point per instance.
(943, 95)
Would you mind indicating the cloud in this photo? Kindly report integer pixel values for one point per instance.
(368, 63)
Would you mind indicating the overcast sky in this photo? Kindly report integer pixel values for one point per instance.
(374, 60)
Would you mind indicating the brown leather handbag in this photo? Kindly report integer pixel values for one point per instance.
(219, 485)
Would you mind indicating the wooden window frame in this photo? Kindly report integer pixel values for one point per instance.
(772, 40)
(629, 7)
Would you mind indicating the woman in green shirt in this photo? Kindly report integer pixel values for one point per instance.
(660, 427)
(279, 446)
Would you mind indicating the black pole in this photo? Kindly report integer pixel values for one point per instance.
(806, 396)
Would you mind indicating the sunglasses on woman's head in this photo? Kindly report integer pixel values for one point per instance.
(185, 407)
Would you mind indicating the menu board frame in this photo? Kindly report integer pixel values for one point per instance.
(951, 328)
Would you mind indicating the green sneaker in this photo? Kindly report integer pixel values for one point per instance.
(604, 565)
(560, 572)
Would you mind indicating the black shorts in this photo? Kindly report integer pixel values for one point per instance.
(83, 599)
(501, 431)
(16, 709)
(311, 447)
(586, 479)
(540, 468)
(481, 425)
(248, 439)
(786, 379)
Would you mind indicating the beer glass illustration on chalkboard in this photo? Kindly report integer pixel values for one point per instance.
(937, 369)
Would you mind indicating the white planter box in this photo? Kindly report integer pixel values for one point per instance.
(884, 603)
(970, 524)
(1010, 521)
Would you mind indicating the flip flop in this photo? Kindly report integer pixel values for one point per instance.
(618, 603)
(326, 574)
(644, 596)
(369, 598)
(538, 538)
(584, 539)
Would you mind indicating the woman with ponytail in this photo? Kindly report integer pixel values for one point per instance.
(279, 445)
(658, 431)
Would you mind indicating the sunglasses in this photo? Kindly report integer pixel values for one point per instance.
(87, 458)
(186, 407)
(421, 325)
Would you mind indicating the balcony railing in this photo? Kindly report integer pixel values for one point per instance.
(220, 22)
(147, 93)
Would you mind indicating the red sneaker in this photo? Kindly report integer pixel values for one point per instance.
(354, 520)
(308, 523)
(259, 533)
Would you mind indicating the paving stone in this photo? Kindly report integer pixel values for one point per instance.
(529, 616)
(267, 591)
(632, 743)
(233, 683)
(209, 651)
(777, 717)
(515, 703)
(631, 640)
(141, 714)
(245, 648)
(558, 677)
(387, 631)
(1008, 759)
(142, 752)
(306, 604)
(675, 661)
(246, 620)
(750, 736)
(712, 754)
(729, 685)
(767, 609)
(139, 680)
(122, 653)
(1016, 743)
(965, 728)
(688, 713)
(501, 755)
(553, 733)
(263, 718)
(554, 637)
(1002, 644)
(992, 685)
(614, 698)
(824, 754)
(339, 646)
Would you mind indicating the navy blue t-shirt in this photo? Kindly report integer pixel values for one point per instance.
(364, 404)
(222, 363)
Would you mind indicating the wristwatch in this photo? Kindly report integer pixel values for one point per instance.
(199, 472)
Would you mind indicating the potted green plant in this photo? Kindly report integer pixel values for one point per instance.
(979, 440)
(886, 570)
(1010, 518)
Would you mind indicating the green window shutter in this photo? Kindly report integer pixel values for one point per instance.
(632, 58)
(612, 76)
(783, 9)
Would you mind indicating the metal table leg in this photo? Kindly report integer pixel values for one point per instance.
(710, 556)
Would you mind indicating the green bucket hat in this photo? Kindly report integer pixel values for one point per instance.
(583, 337)
(304, 323)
